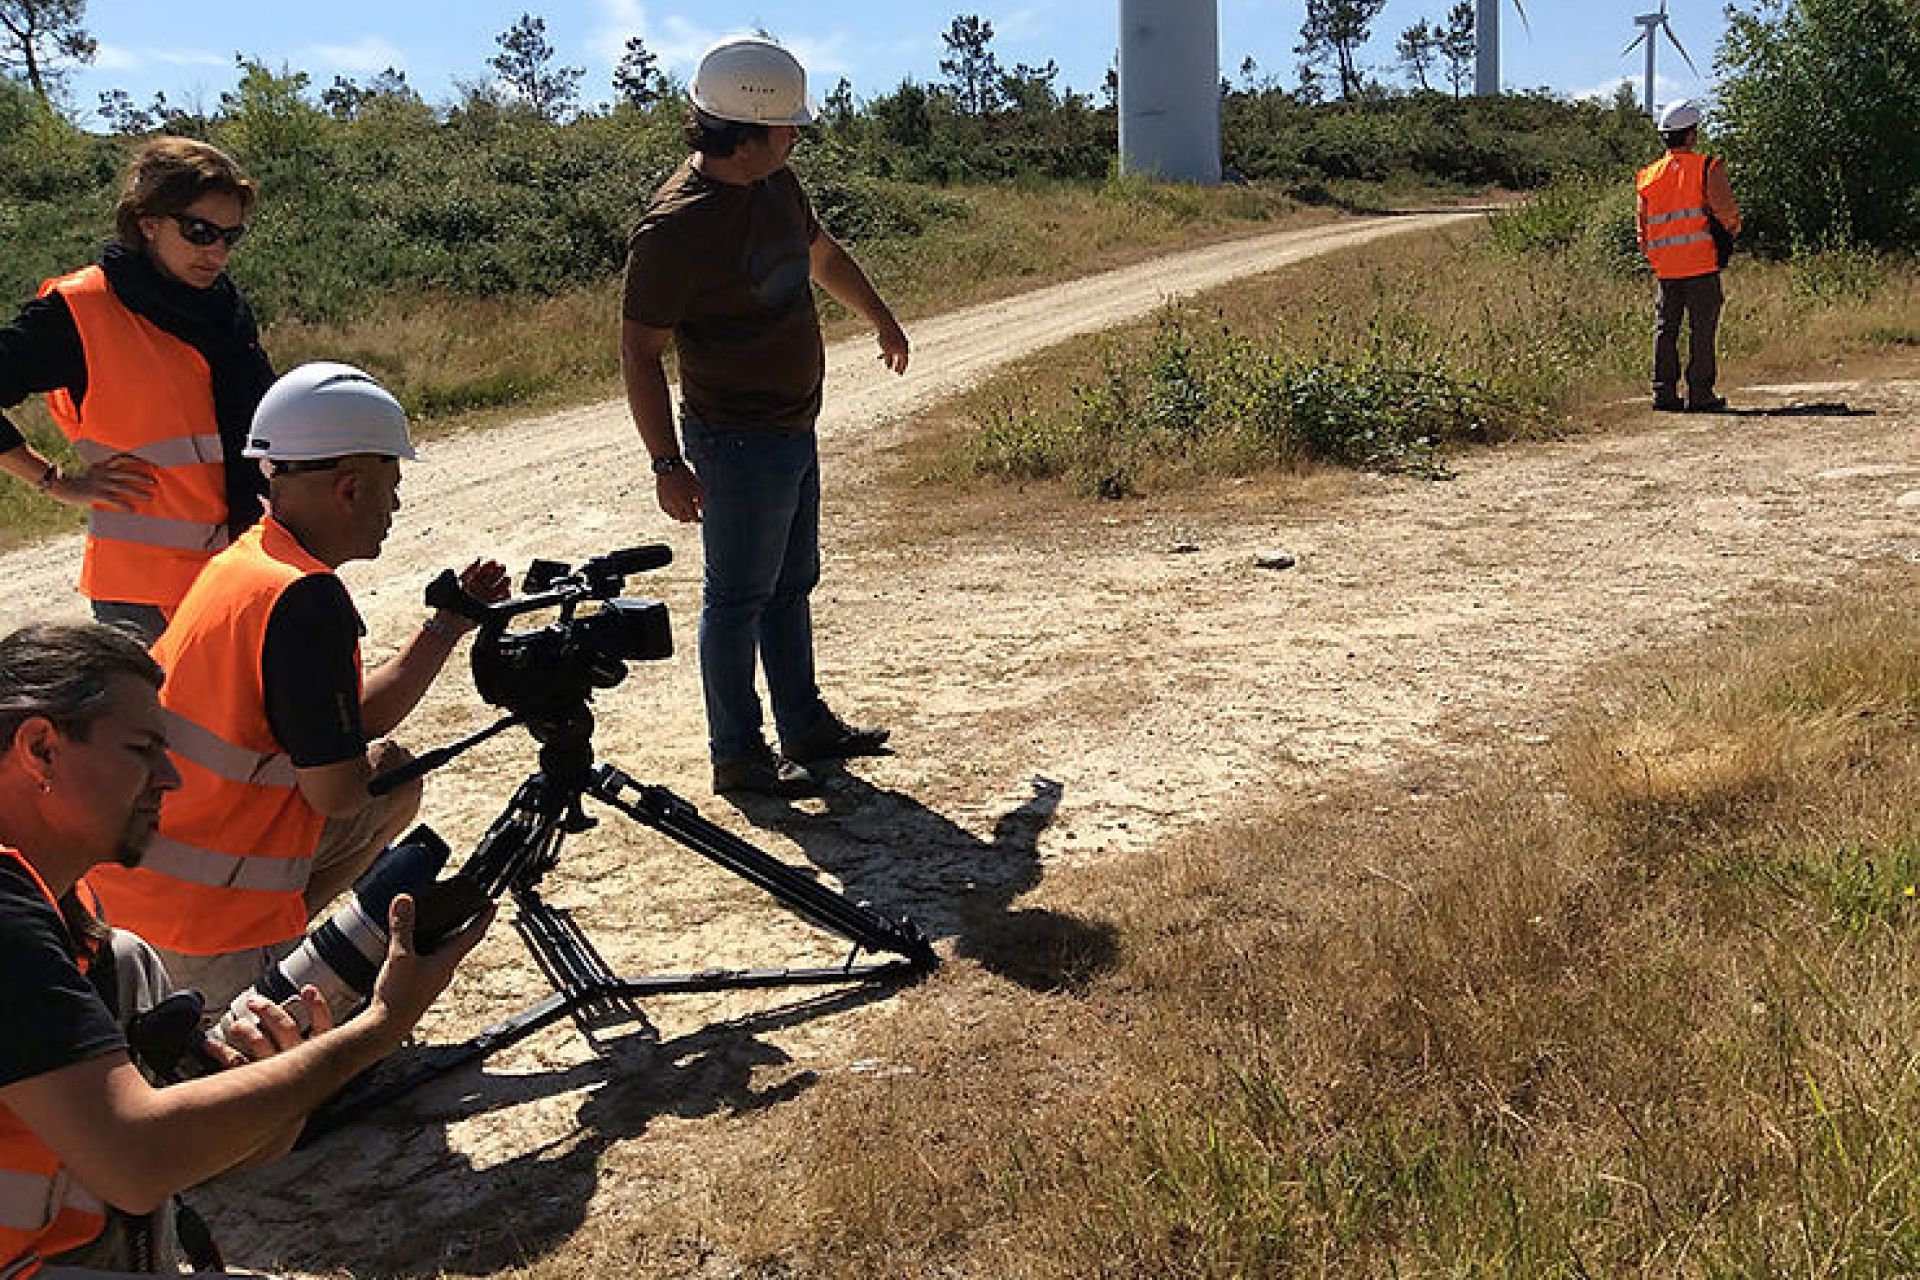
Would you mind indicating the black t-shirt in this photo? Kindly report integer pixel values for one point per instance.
(50, 1015)
(39, 351)
(309, 669)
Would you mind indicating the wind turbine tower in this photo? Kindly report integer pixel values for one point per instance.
(1486, 45)
(1170, 89)
(1649, 23)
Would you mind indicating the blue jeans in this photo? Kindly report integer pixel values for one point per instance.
(760, 529)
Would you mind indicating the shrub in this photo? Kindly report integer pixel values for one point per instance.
(1820, 119)
(1204, 398)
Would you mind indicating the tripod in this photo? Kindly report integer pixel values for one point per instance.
(523, 844)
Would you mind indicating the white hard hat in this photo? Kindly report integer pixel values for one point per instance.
(1679, 114)
(751, 80)
(327, 410)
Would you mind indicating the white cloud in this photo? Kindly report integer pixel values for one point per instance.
(677, 43)
(1665, 88)
(1021, 24)
(1604, 91)
(114, 57)
(369, 54)
(619, 20)
(824, 57)
(111, 57)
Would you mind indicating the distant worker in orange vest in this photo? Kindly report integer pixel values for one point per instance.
(151, 363)
(89, 1151)
(1687, 220)
(275, 734)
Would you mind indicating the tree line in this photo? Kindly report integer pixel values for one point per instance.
(514, 186)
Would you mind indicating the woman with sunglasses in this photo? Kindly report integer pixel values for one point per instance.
(151, 364)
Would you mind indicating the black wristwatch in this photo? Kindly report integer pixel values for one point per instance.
(671, 462)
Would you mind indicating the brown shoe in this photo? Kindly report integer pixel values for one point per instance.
(761, 772)
(835, 739)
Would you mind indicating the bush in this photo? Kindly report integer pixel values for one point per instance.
(1820, 120)
(1589, 218)
(1204, 398)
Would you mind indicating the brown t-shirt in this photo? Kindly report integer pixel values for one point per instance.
(726, 269)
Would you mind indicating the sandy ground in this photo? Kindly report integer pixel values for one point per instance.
(1064, 687)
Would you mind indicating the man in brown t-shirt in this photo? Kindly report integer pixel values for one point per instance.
(722, 265)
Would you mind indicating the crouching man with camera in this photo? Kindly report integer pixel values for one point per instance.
(274, 732)
(83, 1137)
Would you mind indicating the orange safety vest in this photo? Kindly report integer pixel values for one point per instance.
(229, 865)
(1673, 192)
(44, 1210)
(151, 395)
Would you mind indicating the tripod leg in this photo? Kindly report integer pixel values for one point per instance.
(667, 813)
(575, 967)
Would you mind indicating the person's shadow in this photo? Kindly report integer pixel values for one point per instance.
(1815, 409)
(886, 848)
(388, 1196)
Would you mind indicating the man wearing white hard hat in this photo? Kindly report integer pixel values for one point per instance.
(274, 731)
(722, 265)
(1686, 220)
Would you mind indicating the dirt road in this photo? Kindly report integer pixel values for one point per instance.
(1064, 687)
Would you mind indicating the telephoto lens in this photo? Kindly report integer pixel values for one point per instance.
(343, 956)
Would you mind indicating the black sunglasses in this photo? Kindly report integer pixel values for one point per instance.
(204, 234)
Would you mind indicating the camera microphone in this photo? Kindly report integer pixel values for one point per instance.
(343, 956)
(656, 555)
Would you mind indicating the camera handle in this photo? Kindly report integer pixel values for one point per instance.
(427, 762)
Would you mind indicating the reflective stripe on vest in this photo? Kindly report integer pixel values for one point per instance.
(215, 754)
(229, 867)
(168, 857)
(151, 394)
(183, 451)
(43, 1208)
(155, 531)
(1673, 192)
(32, 1201)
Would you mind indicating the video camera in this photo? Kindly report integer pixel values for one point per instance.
(543, 676)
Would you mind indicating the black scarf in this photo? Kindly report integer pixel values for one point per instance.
(218, 323)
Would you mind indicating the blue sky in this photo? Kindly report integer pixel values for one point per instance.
(187, 49)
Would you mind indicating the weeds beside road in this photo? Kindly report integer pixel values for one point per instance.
(1392, 358)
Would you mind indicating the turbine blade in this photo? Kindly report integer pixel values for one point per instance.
(1682, 48)
(1635, 45)
(1522, 11)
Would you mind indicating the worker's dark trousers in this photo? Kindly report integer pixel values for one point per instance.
(1697, 300)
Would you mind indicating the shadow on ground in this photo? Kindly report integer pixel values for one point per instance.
(387, 1195)
(419, 1209)
(887, 848)
(1819, 409)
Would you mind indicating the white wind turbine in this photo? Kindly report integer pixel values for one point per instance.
(1486, 44)
(1649, 23)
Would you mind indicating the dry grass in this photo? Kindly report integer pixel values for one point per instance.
(25, 513)
(464, 362)
(1636, 1004)
(1530, 341)
(460, 362)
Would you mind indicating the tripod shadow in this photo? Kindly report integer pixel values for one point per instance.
(887, 848)
(390, 1197)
